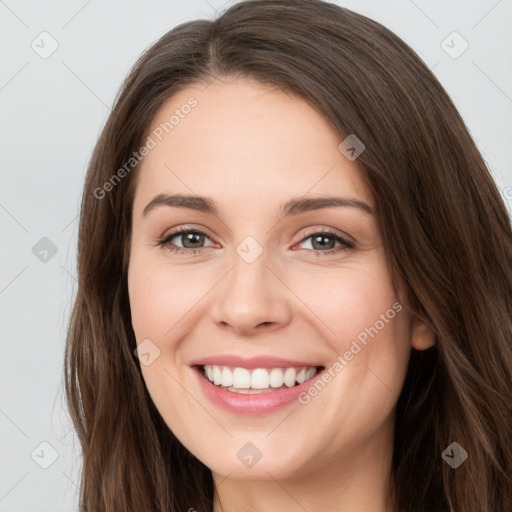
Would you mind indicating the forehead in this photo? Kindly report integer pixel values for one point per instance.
(242, 140)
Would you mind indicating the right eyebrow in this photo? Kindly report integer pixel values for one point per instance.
(202, 204)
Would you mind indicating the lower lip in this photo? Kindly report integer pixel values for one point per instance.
(252, 404)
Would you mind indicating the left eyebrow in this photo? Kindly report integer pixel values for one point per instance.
(300, 205)
(294, 206)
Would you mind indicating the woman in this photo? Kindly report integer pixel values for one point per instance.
(294, 279)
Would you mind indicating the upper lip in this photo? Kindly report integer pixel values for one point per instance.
(251, 362)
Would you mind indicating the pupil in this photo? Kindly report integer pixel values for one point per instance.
(323, 237)
(190, 238)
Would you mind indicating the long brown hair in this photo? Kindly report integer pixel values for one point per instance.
(445, 227)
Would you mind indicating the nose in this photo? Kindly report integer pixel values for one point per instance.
(251, 298)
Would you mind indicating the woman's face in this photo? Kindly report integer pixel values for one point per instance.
(263, 299)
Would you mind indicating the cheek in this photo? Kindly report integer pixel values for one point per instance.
(160, 298)
(367, 330)
(350, 299)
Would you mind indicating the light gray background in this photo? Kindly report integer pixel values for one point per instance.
(52, 111)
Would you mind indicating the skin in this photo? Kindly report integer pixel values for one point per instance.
(251, 148)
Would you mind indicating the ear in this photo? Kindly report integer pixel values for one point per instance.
(422, 337)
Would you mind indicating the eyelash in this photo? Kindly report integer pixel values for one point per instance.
(165, 241)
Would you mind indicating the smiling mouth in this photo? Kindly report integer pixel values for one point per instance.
(257, 380)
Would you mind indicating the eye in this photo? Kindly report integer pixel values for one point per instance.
(191, 239)
(326, 239)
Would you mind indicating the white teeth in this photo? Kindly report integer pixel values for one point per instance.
(259, 379)
(244, 380)
(241, 378)
(227, 377)
(276, 379)
(310, 373)
(217, 376)
(301, 375)
(289, 377)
